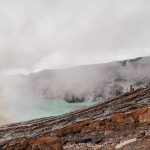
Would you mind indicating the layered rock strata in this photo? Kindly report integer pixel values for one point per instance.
(122, 122)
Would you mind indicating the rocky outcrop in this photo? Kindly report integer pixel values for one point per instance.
(42, 143)
(122, 122)
(74, 99)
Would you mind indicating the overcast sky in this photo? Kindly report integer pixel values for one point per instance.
(38, 34)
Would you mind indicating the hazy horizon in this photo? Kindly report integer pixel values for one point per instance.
(42, 34)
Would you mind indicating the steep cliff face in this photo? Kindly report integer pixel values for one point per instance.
(122, 122)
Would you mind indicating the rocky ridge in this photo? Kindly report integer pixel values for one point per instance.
(95, 82)
(122, 122)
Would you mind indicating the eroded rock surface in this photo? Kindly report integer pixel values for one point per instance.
(122, 122)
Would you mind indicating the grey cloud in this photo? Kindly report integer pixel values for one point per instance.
(62, 33)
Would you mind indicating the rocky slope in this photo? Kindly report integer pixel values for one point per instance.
(121, 123)
(87, 83)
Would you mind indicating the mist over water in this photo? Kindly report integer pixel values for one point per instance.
(20, 104)
(14, 97)
(49, 34)
(25, 97)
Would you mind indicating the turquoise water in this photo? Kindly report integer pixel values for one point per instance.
(50, 108)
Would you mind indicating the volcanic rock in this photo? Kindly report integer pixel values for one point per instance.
(122, 122)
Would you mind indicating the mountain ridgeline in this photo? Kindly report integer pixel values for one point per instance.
(89, 82)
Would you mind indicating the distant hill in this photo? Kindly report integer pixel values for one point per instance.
(89, 82)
